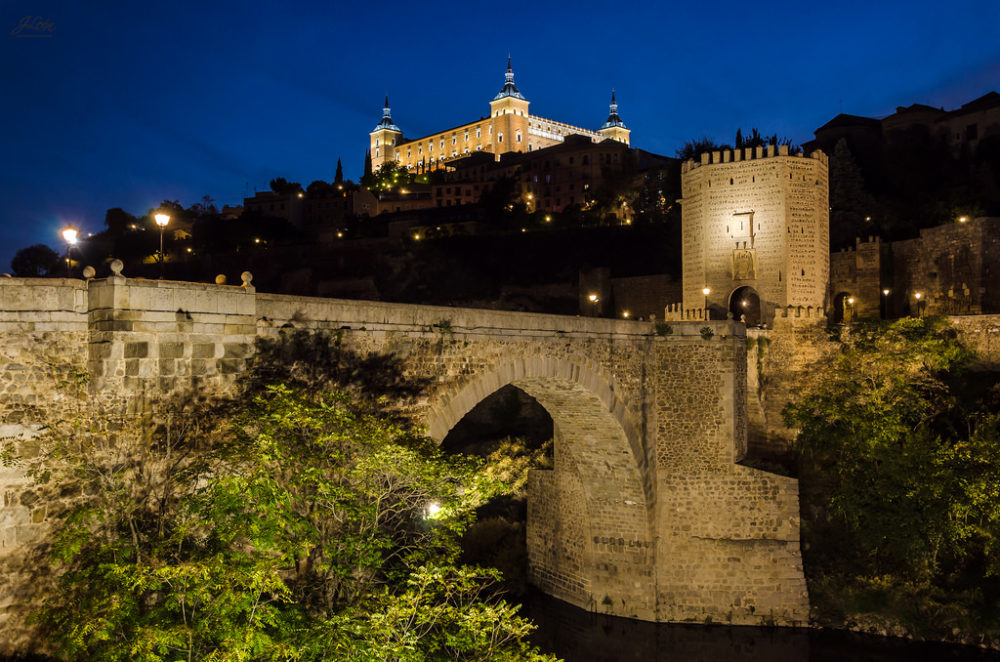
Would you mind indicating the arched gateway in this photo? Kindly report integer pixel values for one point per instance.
(595, 491)
(647, 512)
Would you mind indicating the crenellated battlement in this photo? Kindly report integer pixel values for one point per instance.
(749, 154)
(676, 312)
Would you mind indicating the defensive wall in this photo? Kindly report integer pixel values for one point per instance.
(646, 514)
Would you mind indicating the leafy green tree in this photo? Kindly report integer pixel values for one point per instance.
(303, 527)
(899, 467)
(390, 175)
(35, 261)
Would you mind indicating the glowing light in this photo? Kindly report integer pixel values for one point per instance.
(918, 296)
(625, 314)
(162, 219)
(69, 234)
(256, 240)
(524, 229)
(963, 219)
(593, 298)
(416, 237)
(548, 219)
(340, 235)
(706, 291)
(885, 292)
(301, 195)
(744, 303)
(189, 250)
(868, 218)
(433, 510)
(850, 300)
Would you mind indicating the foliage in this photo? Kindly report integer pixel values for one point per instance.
(706, 332)
(35, 261)
(693, 148)
(663, 329)
(900, 467)
(298, 527)
(390, 175)
(282, 186)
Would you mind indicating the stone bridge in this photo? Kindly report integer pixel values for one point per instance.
(647, 513)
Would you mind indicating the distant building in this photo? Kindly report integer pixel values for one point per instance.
(325, 207)
(962, 128)
(951, 269)
(508, 128)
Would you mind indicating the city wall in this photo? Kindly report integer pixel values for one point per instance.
(647, 513)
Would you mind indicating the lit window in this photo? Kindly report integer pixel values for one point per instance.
(376, 152)
(479, 132)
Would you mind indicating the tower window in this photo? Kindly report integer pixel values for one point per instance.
(479, 132)
(500, 137)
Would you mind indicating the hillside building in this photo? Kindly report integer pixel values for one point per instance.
(509, 127)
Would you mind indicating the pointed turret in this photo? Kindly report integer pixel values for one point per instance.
(386, 122)
(509, 89)
(614, 128)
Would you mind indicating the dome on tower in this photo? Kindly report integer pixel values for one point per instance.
(613, 118)
(509, 89)
(386, 122)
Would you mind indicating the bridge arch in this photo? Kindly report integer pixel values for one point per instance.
(590, 518)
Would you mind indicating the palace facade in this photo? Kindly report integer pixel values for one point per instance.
(508, 128)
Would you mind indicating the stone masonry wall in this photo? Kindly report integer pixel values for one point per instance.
(646, 513)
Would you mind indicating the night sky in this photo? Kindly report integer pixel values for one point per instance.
(125, 104)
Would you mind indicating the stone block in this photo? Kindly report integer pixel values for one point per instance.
(203, 351)
(171, 350)
(136, 350)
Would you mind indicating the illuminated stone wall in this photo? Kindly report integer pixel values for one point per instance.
(783, 253)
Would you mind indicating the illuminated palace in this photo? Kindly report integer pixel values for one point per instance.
(509, 128)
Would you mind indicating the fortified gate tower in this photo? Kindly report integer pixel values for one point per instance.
(756, 225)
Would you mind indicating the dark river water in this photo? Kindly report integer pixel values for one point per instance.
(579, 636)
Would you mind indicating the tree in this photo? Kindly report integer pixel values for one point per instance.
(390, 175)
(35, 261)
(283, 187)
(693, 148)
(303, 527)
(899, 466)
(118, 221)
(338, 178)
(366, 173)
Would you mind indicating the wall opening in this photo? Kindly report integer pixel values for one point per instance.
(744, 304)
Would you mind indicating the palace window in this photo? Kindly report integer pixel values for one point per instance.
(518, 136)
(479, 132)
(500, 137)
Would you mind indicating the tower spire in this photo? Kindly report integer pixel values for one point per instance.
(386, 122)
(613, 118)
(509, 89)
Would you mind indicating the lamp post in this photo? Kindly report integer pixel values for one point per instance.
(161, 220)
(69, 234)
(849, 309)
(706, 291)
(919, 297)
(594, 300)
(885, 303)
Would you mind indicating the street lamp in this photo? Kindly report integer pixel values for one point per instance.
(885, 303)
(919, 297)
(161, 220)
(594, 299)
(963, 219)
(706, 291)
(849, 309)
(69, 235)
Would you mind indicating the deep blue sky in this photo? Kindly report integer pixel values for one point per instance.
(130, 103)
